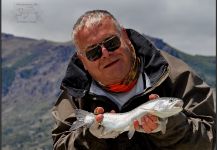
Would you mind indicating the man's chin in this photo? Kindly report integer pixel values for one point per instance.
(114, 79)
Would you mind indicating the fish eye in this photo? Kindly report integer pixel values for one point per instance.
(171, 100)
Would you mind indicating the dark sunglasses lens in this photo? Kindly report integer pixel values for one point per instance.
(112, 44)
(94, 53)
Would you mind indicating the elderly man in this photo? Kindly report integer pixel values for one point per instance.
(117, 69)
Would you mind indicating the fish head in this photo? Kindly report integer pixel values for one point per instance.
(167, 106)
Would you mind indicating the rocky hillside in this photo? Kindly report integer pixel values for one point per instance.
(204, 66)
(31, 73)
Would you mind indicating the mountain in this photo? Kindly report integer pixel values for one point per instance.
(32, 71)
(204, 66)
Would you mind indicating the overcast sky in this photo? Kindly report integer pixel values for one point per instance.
(188, 25)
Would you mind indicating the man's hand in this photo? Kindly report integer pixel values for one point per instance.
(148, 122)
(96, 129)
(99, 114)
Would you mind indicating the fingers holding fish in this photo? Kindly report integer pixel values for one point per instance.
(153, 96)
(99, 113)
(136, 124)
(152, 117)
(112, 111)
(98, 110)
(149, 123)
(99, 118)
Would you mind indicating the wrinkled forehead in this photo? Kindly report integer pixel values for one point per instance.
(94, 25)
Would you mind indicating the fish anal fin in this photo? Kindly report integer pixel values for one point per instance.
(131, 132)
(106, 131)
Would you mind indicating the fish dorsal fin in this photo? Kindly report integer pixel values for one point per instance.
(131, 132)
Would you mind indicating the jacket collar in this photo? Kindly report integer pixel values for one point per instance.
(153, 63)
(77, 80)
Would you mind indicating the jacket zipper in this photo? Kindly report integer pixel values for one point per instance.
(162, 78)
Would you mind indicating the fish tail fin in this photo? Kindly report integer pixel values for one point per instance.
(80, 115)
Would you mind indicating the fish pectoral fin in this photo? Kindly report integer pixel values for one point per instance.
(162, 124)
(131, 132)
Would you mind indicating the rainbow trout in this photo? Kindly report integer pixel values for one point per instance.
(163, 108)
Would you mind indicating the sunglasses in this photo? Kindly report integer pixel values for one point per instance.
(95, 52)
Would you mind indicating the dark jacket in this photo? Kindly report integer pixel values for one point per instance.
(192, 129)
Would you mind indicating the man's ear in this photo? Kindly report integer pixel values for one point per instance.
(124, 32)
(85, 67)
(125, 36)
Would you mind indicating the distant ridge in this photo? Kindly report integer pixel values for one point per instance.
(32, 71)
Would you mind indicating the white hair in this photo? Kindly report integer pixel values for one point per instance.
(91, 18)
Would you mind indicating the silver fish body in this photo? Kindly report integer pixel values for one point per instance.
(163, 107)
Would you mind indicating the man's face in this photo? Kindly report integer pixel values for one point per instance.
(111, 67)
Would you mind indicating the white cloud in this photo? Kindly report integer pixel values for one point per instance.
(188, 25)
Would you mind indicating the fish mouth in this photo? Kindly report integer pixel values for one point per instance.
(178, 104)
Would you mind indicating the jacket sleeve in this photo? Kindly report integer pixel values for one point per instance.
(194, 128)
(63, 114)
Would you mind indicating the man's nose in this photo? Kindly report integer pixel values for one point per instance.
(105, 52)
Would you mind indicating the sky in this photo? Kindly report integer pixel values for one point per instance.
(188, 25)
